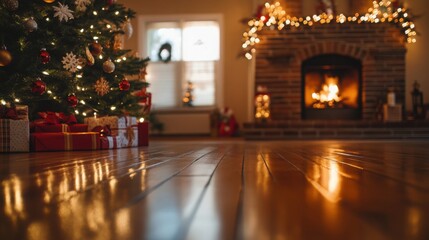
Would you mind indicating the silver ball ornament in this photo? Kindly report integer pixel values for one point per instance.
(30, 25)
(108, 66)
(128, 29)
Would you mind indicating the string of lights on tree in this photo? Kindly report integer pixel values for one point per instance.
(69, 52)
(275, 17)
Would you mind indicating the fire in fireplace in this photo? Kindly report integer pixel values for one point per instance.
(331, 87)
(328, 96)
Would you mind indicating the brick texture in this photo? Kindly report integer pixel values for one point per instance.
(379, 47)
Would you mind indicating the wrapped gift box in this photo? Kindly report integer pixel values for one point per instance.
(128, 132)
(14, 135)
(58, 128)
(110, 121)
(65, 141)
(78, 127)
(112, 142)
(39, 128)
(143, 132)
(22, 112)
(123, 130)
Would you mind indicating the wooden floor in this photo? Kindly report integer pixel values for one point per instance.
(220, 190)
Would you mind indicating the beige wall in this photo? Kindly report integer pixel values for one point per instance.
(235, 69)
(418, 53)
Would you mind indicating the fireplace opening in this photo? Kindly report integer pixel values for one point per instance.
(331, 88)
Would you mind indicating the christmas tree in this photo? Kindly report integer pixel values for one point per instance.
(67, 56)
(188, 97)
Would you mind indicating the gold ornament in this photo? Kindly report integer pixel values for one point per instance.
(117, 42)
(5, 57)
(101, 86)
(49, 1)
(108, 66)
(89, 57)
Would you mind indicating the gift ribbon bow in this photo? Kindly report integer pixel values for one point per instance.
(103, 130)
(129, 132)
(8, 113)
(130, 135)
(56, 118)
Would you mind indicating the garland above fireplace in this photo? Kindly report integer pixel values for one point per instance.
(273, 16)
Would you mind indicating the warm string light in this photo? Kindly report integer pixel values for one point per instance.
(262, 103)
(52, 95)
(79, 75)
(381, 12)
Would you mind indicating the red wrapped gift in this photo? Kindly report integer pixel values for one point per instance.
(39, 128)
(57, 122)
(56, 118)
(124, 127)
(64, 141)
(143, 130)
(78, 127)
(104, 143)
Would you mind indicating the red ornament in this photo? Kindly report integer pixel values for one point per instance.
(110, 2)
(124, 85)
(72, 100)
(38, 87)
(45, 57)
(95, 48)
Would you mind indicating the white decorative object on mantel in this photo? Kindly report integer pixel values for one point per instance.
(392, 113)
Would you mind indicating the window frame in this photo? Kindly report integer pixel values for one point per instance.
(144, 20)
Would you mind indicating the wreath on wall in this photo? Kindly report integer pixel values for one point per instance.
(164, 52)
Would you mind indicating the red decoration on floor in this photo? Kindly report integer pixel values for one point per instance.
(228, 124)
(64, 141)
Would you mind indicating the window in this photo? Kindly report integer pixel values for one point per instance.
(182, 51)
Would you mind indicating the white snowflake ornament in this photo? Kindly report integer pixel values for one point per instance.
(71, 62)
(81, 5)
(63, 12)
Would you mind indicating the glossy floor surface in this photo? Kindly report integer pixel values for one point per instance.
(220, 190)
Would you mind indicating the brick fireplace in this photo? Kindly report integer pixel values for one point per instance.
(331, 79)
(377, 50)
